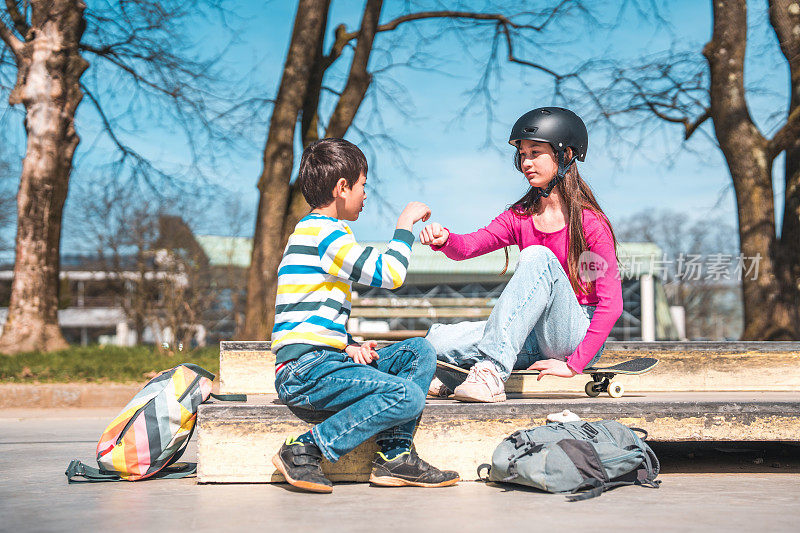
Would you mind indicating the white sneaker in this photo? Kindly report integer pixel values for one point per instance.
(483, 384)
(438, 389)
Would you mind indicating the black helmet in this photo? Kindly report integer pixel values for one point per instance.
(555, 125)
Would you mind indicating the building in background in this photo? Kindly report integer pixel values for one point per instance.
(131, 302)
(438, 289)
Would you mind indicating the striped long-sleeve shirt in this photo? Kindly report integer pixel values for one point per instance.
(321, 262)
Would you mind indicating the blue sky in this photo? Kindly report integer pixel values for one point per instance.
(466, 182)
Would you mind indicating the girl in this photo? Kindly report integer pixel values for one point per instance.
(557, 310)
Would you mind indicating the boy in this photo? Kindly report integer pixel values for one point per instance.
(318, 366)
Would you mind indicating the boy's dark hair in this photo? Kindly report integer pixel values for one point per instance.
(323, 164)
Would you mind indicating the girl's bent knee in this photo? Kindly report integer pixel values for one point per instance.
(536, 252)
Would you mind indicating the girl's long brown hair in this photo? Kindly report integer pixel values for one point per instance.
(577, 195)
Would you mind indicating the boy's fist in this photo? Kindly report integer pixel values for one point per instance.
(434, 235)
(413, 213)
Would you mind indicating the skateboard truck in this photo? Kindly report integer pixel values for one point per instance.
(603, 382)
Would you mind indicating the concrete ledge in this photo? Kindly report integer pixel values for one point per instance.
(249, 367)
(237, 441)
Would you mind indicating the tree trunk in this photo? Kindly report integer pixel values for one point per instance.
(281, 205)
(347, 106)
(766, 313)
(785, 20)
(358, 79)
(48, 75)
(273, 185)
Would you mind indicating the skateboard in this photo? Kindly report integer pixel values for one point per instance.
(602, 377)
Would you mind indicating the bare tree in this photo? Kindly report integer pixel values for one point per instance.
(692, 249)
(303, 91)
(48, 46)
(154, 268)
(678, 88)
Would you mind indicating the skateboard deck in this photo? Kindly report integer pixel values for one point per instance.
(453, 376)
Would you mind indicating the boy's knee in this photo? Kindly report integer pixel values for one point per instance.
(416, 398)
(424, 352)
(419, 345)
(412, 402)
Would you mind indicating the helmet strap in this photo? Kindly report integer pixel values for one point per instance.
(562, 171)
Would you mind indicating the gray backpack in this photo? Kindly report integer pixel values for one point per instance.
(570, 456)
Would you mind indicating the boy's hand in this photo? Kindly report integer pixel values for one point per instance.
(552, 367)
(363, 354)
(413, 213)
(434, 235)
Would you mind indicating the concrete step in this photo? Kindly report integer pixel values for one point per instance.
(237, 441)
(249, 367)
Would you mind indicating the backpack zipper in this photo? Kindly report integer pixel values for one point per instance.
(142, 408)
(619, 458)
(132, 418)
(194, 382)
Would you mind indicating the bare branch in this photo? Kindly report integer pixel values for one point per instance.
(495, 17)
(11, 40)
(110, 56)
(107, 126)
(513, 59)
(343, 37)
(786, 136)
(19, 21)
(691, 127)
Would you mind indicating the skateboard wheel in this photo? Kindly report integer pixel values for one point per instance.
(592, 389)
(615, 390)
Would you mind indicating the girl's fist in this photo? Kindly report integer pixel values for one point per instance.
(434, 235)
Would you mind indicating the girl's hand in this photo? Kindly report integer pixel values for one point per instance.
(364, 353)
(552, 367)
(434, 235)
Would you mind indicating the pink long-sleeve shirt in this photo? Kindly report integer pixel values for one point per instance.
(510, 228)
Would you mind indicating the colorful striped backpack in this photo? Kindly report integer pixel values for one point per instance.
(151, 433)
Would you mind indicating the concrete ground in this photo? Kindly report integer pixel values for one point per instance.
(759, 490)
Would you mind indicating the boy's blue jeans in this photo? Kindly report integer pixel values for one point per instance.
(385, 397)
(536, 317)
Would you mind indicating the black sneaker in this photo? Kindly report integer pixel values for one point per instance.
(407, 469)
(299, 464)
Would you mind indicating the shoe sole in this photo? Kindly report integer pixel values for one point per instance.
(495, 399)
(305, 485)
(383, 481)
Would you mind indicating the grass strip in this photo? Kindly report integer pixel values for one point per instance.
(119, 364)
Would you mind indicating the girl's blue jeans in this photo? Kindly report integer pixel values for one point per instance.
(536, 317)
(352, 401)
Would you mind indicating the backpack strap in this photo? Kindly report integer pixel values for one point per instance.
(530, 449)
(229, 397)
(77, 470)
(488, 469)
(599, 487)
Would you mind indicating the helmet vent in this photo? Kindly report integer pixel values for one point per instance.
(530, 130)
